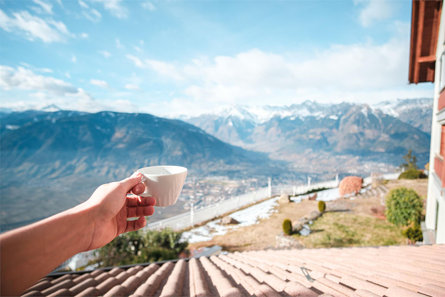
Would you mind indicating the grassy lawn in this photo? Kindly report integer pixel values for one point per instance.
(343, 229)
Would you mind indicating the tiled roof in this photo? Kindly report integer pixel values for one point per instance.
(365, 271)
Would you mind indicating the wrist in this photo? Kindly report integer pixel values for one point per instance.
(87, 214)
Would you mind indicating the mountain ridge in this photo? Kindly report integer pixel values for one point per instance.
(386, 130)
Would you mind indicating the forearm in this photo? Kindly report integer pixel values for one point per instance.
(39, 248)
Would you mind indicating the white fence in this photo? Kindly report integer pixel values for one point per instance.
(298, 190)
(198, 216)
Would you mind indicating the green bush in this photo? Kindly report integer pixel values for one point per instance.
(287, 227)
(135, 247)
(153, 254)
(321, 206)
(403, 206)
(413, 233)
(412, 174)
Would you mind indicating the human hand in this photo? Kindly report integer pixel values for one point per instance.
(111, 205)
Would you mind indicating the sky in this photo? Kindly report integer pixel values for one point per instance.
(189, 57)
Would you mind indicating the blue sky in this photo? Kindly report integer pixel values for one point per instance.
(188, 57)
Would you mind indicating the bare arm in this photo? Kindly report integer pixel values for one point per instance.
(31, 252)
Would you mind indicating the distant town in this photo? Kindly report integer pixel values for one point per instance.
(203, 192)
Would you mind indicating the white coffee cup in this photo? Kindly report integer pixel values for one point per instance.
(163, 182)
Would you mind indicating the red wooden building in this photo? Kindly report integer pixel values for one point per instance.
(427, 64)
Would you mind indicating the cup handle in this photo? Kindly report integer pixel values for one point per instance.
(146, 192)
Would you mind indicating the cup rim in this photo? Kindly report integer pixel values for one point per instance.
(175, 170)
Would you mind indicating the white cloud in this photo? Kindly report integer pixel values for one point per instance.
(83, 4)
(148, 5)
(356, 72)
(114, 7)
(132, 87)
(73, 59)
(25, 79)
(90, 13)
(46, 7)
(42, 91)
(99, 83)
(106, 54)
(83, 35)
(34, 27)
(374, 10)
(162, 68)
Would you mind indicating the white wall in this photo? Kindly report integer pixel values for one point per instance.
(435, 193)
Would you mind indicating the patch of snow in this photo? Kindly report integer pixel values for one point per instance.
(325, 195)
(328, 195)
(365, 110)
(51, 108)
(333, 117)
(12, 127)
(246, 217)
(306, 230)
(296, 199)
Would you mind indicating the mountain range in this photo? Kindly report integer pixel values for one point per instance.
(53, 159)
(312, 135)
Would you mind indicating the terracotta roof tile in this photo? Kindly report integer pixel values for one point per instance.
(97, 272)
(197, 281)
(40, 286)
(116, 291)
(399, 291)
(149, 287)
(365, 272)
(101, 277)
(223, 285)
(364, 293)
(81, 278)
(32, 293)
(92, 291)
(61, 285)
(432, 290)
(174, 284)
(62, 278)
(89, 282)
(106, 285)
(61, 293)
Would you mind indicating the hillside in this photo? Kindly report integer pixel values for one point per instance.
(355, 217)
(59, 158)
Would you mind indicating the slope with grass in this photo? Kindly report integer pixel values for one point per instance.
(346, 223)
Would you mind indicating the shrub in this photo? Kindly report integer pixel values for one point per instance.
(136, 247)
(287, 227)
(413, 233)
(321, 206)
(403, 206)
(153, 254)
(412, 174)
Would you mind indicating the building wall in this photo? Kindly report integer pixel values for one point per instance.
(435, 207)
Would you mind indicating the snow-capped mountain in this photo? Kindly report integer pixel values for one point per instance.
(404, 109)
(345, 128)
(416, 112)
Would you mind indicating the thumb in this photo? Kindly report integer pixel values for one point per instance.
(131, 181)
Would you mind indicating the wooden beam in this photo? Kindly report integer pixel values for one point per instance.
(427, 59)
(420, 22)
